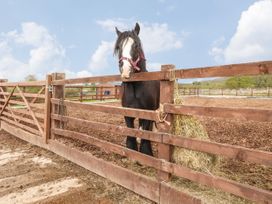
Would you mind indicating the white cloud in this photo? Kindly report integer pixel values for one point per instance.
(110, 24)
(70, 74)
(155, 37)
(45, 52)
(158, 38)
(252, 40)
(99, 60)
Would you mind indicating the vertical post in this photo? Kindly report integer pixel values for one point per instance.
(81, 94)
(2, 96)
(58, 93)
(101, 93)
(166, 96)
(4, 89)
(48, 96)
(115, 92)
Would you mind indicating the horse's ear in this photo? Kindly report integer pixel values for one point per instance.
(117, 31)
(137, 29)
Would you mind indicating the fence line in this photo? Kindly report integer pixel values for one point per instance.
(249, 92)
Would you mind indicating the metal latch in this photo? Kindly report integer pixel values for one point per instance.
(50, 88)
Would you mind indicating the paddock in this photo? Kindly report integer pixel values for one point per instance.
(48, 120)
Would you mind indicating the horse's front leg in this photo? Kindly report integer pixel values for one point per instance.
(131, 141)
(145, 146)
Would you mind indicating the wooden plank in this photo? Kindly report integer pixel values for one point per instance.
(25, 84)
(36, 105)
(25, 127)
(230, 151)
(169, 195)
(242, 190)
(166, 96)
(132, 112)
(254, 68)
(262, 115)
(122, 130)
(144, 76)
(20, 118)
(28, 95)
(24, 111)
(7, 101)
(110, 147)
(47, 107)
(30, 111)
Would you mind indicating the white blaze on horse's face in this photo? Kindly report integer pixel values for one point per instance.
(126, 66)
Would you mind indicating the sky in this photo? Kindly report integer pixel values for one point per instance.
(77, 37)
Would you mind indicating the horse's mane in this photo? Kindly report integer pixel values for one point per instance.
(122, 37)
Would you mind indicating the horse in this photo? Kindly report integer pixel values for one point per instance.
(138, 94)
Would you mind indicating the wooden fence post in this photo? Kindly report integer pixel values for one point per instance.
(2, 96)
(81, 94)
(48, 96)
(58, 93)
(166, 96)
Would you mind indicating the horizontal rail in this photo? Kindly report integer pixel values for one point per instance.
(226, 150)
(109, 147)
(144, 76)
(226, 185)
(122, 130)
(23, 84)
(262, 115)
(254, 68)
(25, 127)
(25, 112)
(34, 105)
(29, 95)
(233, 187)
(131, 112)
(90, 86)
(230, 151)
(24, 119)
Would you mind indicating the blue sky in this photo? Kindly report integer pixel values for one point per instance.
(39, 37)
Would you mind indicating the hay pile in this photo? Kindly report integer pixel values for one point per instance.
(189, 126)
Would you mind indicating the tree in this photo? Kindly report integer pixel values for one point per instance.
(30, 77)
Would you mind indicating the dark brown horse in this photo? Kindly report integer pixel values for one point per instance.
(140, 94)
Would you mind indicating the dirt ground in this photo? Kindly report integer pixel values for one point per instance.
(94, 189)
(29, 174)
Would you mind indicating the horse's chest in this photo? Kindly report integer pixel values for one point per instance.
(135, 97)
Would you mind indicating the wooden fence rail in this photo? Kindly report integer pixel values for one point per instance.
(41, 128)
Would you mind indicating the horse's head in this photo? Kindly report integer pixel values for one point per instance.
(129, 50)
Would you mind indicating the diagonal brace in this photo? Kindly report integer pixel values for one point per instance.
(30, 110)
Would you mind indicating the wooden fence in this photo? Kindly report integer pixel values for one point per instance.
(247, 92)
(38, 118)
(91, 93)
